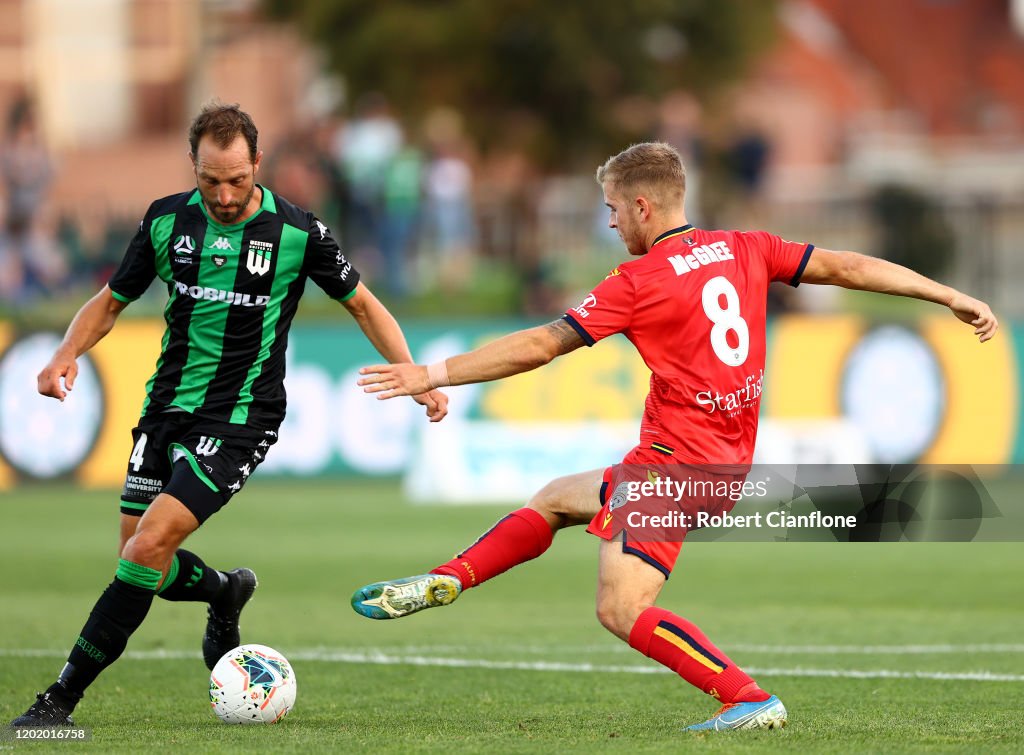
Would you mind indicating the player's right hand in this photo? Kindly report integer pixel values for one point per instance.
(390, 380)
(49, 380)
(976, 313)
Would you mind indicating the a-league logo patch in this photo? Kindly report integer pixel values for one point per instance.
(618, 499)
(184, 245)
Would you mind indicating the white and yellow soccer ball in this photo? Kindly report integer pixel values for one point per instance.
(252, 684)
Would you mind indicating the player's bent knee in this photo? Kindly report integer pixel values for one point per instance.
(560, 502)
(613, 619)
(618, 615)
(129, 525)
(546, 500)
(606, 616)
(151, 548)
(547, 505)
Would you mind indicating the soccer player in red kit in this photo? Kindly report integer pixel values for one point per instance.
(693, 303)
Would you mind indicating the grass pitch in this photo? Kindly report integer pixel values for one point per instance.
(873, 647)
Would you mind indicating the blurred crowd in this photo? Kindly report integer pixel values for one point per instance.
(426, 209)
(422, 209)
(31, 262)
(44, 251)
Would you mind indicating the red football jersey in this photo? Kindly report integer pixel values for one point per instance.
(694, 307)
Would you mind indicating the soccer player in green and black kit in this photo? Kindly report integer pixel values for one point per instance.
(235, 259)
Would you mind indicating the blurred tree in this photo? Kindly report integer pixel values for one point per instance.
(575, 80)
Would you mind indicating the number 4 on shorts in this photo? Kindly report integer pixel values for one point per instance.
(137, 457)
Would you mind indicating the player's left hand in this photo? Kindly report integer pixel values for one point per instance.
(436, 403)
(390, 380)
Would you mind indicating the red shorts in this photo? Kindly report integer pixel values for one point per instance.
(654, 501)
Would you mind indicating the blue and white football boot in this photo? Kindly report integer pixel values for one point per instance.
(769, 714)
(401, 597)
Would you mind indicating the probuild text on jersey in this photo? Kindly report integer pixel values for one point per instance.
(216, 294)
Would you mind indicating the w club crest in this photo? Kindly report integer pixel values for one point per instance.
(207, 445)
(258, 261)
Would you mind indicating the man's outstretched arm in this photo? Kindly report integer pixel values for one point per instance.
(384, 332)
(93, 321)
(863, 273)
(517, 352)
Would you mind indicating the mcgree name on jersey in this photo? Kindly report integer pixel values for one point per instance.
(707, 254)
(215, 294)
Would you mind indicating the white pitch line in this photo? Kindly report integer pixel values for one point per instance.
(875, 649)
(732, 647)
(625, 649)
(384, 659)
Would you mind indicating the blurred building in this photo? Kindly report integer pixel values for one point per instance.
(115, 83)
(892, 128)
(892, 87)
(858, 97)
(857, 103)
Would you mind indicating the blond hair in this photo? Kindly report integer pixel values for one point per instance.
(652, 168)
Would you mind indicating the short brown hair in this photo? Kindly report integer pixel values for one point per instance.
(224, 123)
(654, 167)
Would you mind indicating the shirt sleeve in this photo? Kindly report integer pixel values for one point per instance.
(786, 260)
(606, 310)
(327, 264)
(138, 267)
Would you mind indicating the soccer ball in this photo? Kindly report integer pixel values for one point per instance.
(252, 684)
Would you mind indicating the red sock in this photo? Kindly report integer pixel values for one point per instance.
(519, 537)
(677, 643)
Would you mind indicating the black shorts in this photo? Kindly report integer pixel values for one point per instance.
(200, 462)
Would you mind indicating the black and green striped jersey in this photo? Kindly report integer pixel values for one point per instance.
(233, 293)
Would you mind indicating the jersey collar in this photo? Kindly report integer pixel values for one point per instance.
(672, 233)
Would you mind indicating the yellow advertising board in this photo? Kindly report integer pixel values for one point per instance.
(6, 474)
(125, 360)
(924, 391)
